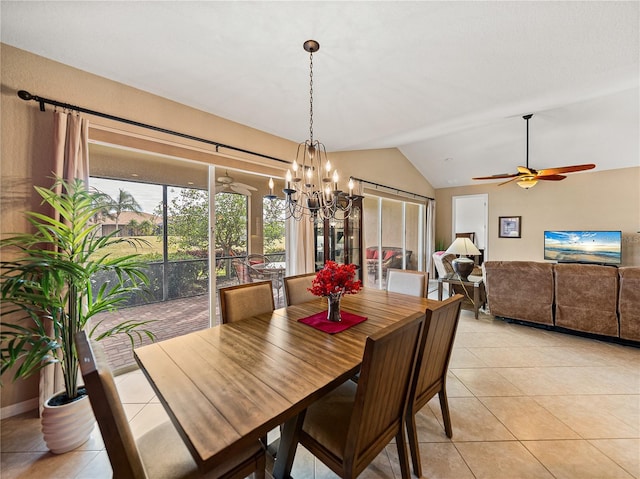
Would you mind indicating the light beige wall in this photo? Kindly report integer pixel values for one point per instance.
(387, 167)
(26, 145)
(605, 200)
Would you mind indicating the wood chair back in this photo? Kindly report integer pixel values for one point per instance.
(405, 281)
(350, 426)
(119, 442)
(295, 288)
(471, 236)
(440, 328)
(160, 451)
(245, 300)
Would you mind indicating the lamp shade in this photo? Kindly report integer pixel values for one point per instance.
(463, 246)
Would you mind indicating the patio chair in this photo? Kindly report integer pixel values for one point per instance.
(430, 378)
(295, 288)
(256, 258)
(347, 428)
(161, 451)
(242, 271)
(410, 282)
(245, 300)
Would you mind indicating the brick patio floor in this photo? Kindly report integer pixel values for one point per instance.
(170, 319)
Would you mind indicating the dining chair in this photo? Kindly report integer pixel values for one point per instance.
(244, 300)
(295, 288)
(430, 377)
(347, 428)
(160, 452)
(406, 281)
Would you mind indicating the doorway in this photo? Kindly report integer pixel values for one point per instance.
(471, 215)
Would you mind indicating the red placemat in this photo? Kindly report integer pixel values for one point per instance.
(319, 321)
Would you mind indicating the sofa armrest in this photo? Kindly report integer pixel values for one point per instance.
(520, 290)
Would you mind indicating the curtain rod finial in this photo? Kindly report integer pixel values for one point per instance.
(25, 95)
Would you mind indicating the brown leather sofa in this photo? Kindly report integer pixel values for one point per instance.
(629, 302)
(520, 290)
(587, 298)
(594, 299)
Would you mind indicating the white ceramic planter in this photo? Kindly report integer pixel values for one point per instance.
(68, 426)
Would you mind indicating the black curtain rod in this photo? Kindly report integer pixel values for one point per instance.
(25, 95)
(415, 195)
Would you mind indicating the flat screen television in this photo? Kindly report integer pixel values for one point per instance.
(597, 247)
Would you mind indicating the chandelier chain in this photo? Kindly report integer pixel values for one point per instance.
(312, 189)
(311, 97)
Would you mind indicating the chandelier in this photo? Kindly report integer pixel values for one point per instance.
(311, 185)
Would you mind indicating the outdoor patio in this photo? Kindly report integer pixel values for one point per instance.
(169, 319)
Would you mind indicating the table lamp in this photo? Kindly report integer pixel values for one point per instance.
(462, 265)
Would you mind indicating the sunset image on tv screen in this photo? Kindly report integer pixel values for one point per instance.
(602, 247)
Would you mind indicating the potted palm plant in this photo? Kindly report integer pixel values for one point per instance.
(47, 296)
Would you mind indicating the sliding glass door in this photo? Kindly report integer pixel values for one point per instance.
(394, 237)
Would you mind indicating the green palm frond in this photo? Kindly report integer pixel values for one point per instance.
(46, 289)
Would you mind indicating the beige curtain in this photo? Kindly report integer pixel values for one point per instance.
(431, 235)
(300, 255)
(70, 160)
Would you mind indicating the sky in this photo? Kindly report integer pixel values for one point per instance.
(147, 196)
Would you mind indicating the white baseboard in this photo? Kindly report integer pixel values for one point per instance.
(19, 408)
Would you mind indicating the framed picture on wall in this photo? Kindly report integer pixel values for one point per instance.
(509, 226)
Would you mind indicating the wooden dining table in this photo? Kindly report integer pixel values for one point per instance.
(225, 387)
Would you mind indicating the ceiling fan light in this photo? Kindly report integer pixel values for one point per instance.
(527, 183)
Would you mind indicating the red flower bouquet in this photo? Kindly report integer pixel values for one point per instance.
(333, 281)
(335, 278)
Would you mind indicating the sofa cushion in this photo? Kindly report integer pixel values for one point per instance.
(520, 290)
(586, 298)
(629, 302)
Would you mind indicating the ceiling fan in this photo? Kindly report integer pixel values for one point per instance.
(225, 184)
(527, 177)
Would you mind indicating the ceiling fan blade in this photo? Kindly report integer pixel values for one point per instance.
(565, 169)
(244, 187)
(550, 177)
(221, 188)
(516, 177)
(243, 191)
(496, 177)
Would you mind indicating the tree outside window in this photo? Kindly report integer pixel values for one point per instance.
(273, 223)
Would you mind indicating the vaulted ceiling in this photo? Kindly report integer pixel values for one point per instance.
(445, 82)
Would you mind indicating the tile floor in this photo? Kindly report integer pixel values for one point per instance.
(525, 403)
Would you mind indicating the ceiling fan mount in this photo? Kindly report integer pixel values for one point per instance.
(527, 177)
(226, 184)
